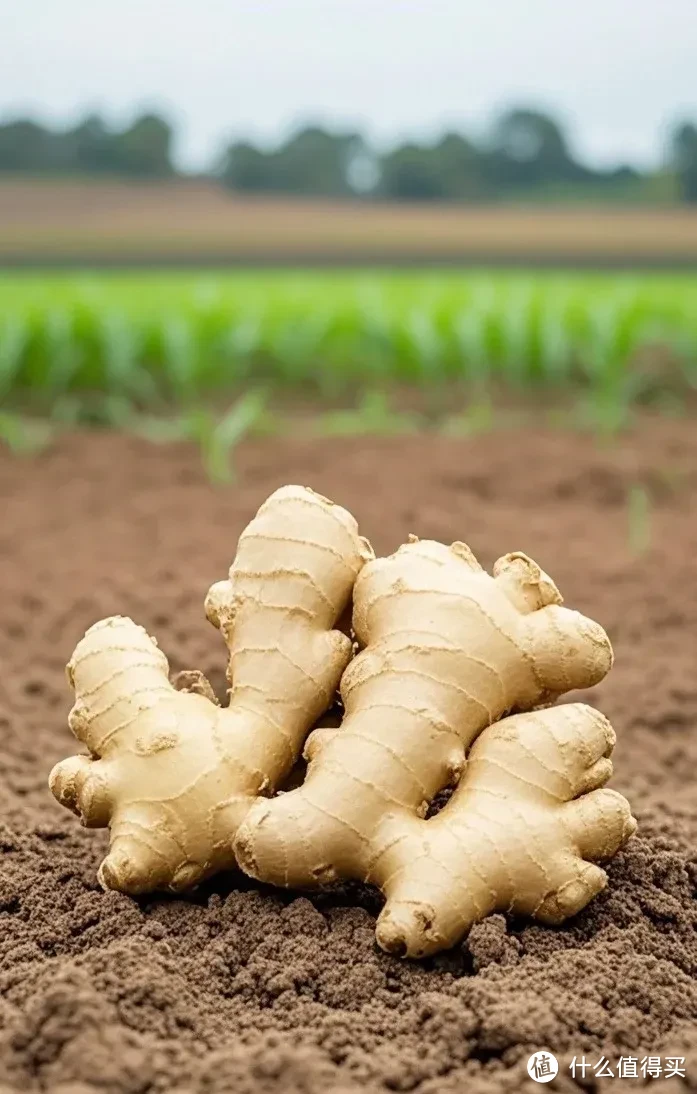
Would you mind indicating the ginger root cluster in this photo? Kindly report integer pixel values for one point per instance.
(447, 678)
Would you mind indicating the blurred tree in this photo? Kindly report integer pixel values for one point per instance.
(27, 146)
(92, 146)
(527, 156)
(144, 148)
(460, 165)
(684, 156)
(409, 173)
(312, 161)
(529, 148)
(450, 170)
(244, 167)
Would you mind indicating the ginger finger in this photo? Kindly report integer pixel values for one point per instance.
(176, 771)
(581, 882)
(597, 823)
(525, 583)
(569, 650)
(509, 839)
(81, 785)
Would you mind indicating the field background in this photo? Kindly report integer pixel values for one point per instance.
(63, 222)
(523, 377)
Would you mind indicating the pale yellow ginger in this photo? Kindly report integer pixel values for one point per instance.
(171, 772)
(449, 650)
(521, 833)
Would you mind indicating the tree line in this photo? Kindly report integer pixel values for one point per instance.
(526, 152)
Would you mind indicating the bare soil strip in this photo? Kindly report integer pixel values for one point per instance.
(197, 222)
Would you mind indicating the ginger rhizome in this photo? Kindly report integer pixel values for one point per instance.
(447, 651)
(170, 771)
(521, 833)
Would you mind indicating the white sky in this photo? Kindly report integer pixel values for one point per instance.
(617, 71)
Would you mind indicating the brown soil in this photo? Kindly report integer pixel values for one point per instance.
(238, 989)
(51, 220)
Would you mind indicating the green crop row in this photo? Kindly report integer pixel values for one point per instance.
(152, 340)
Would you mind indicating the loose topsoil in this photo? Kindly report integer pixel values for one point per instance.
(241, 989)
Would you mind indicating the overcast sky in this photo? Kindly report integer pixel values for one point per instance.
(617, 71)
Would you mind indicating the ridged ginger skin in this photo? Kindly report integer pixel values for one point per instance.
(521, 833)
(170, 771)
(448, 650)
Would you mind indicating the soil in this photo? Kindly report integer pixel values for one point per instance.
(68, 221)
(240, 989)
